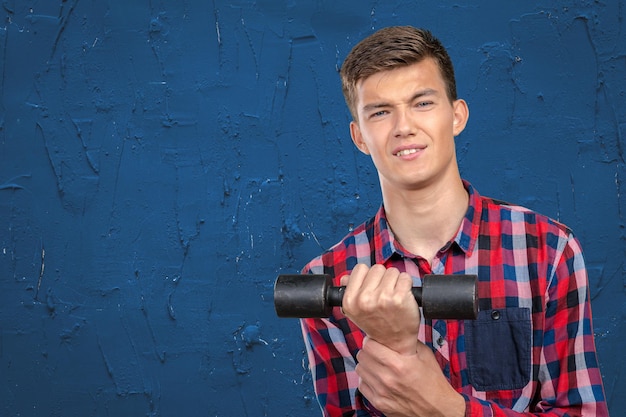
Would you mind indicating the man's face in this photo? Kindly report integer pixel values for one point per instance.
(407, 124)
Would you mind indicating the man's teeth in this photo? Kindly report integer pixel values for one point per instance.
(406, 152)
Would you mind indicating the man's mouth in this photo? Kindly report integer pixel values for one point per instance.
(406, 152)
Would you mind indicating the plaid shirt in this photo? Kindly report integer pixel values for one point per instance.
(531, 349)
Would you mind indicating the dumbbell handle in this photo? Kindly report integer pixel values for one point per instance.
(441, 296)
(334, 295)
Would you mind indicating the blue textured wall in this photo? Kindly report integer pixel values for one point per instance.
(162, 161)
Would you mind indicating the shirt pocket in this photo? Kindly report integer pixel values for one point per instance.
(498, 349)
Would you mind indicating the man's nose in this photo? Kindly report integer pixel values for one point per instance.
(404, 123)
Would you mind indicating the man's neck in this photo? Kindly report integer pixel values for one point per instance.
(424, 220)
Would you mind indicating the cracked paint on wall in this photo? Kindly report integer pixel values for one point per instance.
(161, 163)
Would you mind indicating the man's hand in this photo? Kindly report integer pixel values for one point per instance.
(406, 385)
(398, 374)
(380, 302)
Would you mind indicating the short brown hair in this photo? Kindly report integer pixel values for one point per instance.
(390, 48)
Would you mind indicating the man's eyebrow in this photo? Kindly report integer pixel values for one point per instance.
(424, 92)
(374, 106)
(382, 104)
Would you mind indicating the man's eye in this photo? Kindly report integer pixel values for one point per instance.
(378, 113)
(424, 104)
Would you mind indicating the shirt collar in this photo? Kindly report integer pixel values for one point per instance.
(385, 243)
(467, 235)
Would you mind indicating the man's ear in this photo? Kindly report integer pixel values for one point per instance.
(461, 115)
(357, 137)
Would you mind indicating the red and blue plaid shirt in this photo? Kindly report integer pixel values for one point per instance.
(531, 349)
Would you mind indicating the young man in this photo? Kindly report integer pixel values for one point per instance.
(531, 349)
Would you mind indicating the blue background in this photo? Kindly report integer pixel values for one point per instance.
(161, 162)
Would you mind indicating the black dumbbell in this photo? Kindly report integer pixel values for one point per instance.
(441, 296)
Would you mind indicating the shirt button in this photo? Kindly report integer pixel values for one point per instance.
(441, 341)
(495, 315)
